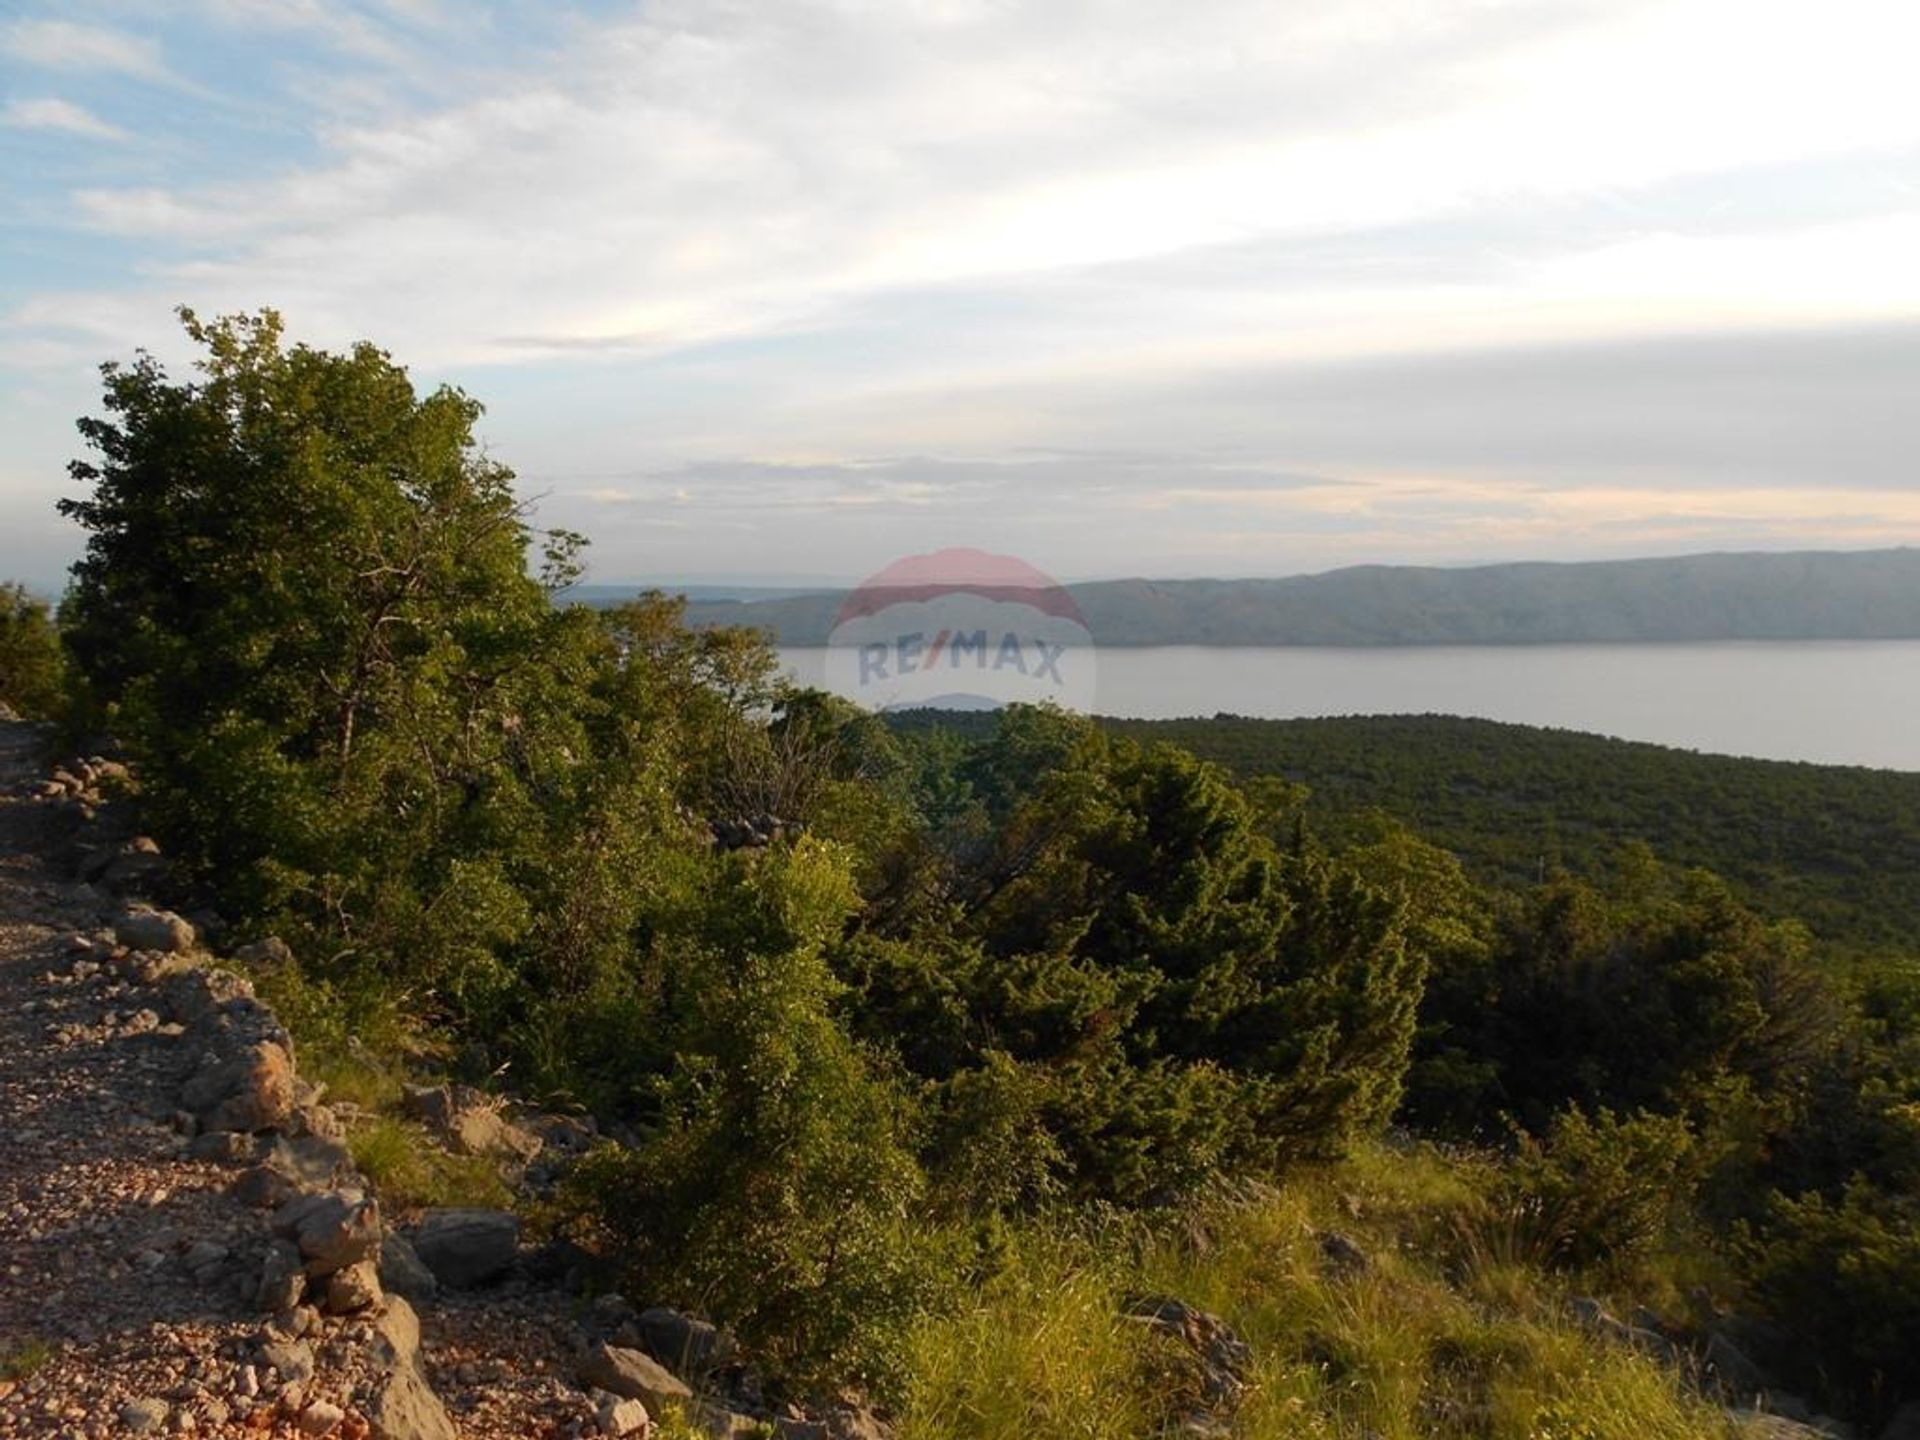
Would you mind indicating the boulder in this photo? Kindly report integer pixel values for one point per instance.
(403, 1406)
(353, 1288)
(1224, 1358)
(142, 928)
(618, 1415)
(334, 1229)
(464, 1248)
(283, 1278)
(632, 1374)
(689, 1347)
(401, 1271)
(252, 1090)
(470, 1121)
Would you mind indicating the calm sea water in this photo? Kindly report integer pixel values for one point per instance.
(1833, 702)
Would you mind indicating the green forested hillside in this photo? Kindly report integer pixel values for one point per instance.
(1835, 846)
(1801, 596)
(943, 1054)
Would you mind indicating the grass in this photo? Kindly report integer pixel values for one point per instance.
(410, 1171)
(1417, 1343)
(23, 1358)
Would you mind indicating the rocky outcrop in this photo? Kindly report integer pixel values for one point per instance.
(1219, 1358)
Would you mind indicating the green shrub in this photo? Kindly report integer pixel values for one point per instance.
(32, 665)
(1843, 1278)
(778, 1190)
(1596, 1191)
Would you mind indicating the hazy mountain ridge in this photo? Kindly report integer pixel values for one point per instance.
(1806, 595)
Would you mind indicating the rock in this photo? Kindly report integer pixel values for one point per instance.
(689, 1347)
(396, 1334)
(191, 996)
(1224, 1358)
(142, 928)
(632, 1374)
(464, 1248)
(292, 1360)
(333, 1230)
(401, 1270)
(1342, 1255)
(310, 1162)
(321, 1417)
(608, 1314)
(620, 1416)
(470, 1121)
(404, 1407)
(252, 1090)
(1729, 1366)
(353, 1288)
(265, 956)
(138, 1417)
(221, 1147)
(262, 1188)
(283, 1278)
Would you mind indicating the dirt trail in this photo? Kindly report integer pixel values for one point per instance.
(123, 1259)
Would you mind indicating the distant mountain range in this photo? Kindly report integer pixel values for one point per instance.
(1810, 595)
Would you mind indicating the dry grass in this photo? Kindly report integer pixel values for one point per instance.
(1418, 1343)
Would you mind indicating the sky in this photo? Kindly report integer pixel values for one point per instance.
(781, 290)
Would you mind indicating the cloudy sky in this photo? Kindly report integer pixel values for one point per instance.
(786, 288)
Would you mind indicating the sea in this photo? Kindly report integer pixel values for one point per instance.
(1824, 702)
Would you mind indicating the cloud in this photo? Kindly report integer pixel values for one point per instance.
(1110, 275)
(62, 116)
(73, 46)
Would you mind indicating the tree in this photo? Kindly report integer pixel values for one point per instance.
(31, 662)
(305, 601)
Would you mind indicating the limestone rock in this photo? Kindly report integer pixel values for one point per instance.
(139, 1417)
(465, 1248)
(333, 1230)
(283, 1278)
(321, 1417)
(142, 928)
(632, 1374)
(618, 1415)
(353, 1288)
(401, 1271)
(689, 1347)
(253, 1090)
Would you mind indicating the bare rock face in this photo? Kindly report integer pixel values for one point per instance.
(465, 1248)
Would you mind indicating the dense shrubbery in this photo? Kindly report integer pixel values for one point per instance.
(874, 998)
(32, 664)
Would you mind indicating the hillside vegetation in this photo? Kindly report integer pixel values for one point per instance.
(1868, 595)
(1033, 1077)
(1835, 846)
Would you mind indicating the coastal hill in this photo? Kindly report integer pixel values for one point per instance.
(1809, 595)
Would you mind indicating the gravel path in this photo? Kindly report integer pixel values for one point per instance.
(122, 1259)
